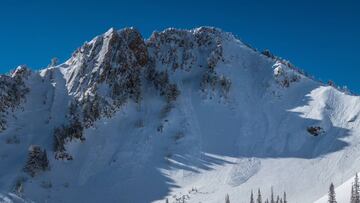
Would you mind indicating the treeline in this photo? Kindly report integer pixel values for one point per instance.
(354, 193)
(259, 198)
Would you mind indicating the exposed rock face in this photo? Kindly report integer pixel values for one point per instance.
(315, 130)
(113, 59)
(197, 51)
(285, 76)
(105, 73)
(180, 49)
(109, 70)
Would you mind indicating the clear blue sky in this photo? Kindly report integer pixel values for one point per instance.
(321, 37)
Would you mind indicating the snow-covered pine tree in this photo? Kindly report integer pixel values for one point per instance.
(352, 197)
(37, 161)
(272, 196)
(259, 198)
(227, 198)
(252, 197)
(356, 189)
(285, 201)
(332, 198)
(167, 200)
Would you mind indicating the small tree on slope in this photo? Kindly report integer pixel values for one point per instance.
(355, 197)
(285, 201)
(278, 199)
(352, 198)
(259, 198)
(252, 197)
(37, 161)
(272, 196)
(332, 198)
(227, 198)
(357, 189)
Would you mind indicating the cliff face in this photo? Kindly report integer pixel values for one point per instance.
(188, 115)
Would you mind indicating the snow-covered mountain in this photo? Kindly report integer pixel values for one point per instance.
(186, 115)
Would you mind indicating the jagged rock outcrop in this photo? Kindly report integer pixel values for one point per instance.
(113, 59)
(284, 75)
(109, 70)
(105, 73)
(175, 49)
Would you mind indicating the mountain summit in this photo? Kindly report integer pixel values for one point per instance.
(186, 115)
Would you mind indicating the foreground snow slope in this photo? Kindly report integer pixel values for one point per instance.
(241, 121)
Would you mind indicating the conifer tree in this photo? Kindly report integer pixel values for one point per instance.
(227, 198)
(355, 197)
(37, 161)
(285, 201)
(332, 198)
(352, 198)
(259, 198)
(252, 197)
(356, 189)
(272, 196)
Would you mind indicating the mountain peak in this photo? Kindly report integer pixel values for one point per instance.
(194, 112)
(110, 31)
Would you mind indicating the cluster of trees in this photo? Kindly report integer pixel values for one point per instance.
(355, 192)
(12, 92)
(354, 198)
(64, 134)
(161, 81)
(91, 108)
(210, 80)
(37, 161)
(259, 198)
(179, 55)
(215, 56)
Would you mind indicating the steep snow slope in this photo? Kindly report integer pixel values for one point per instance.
(187, 114)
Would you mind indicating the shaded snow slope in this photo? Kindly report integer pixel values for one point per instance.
(187, 114)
